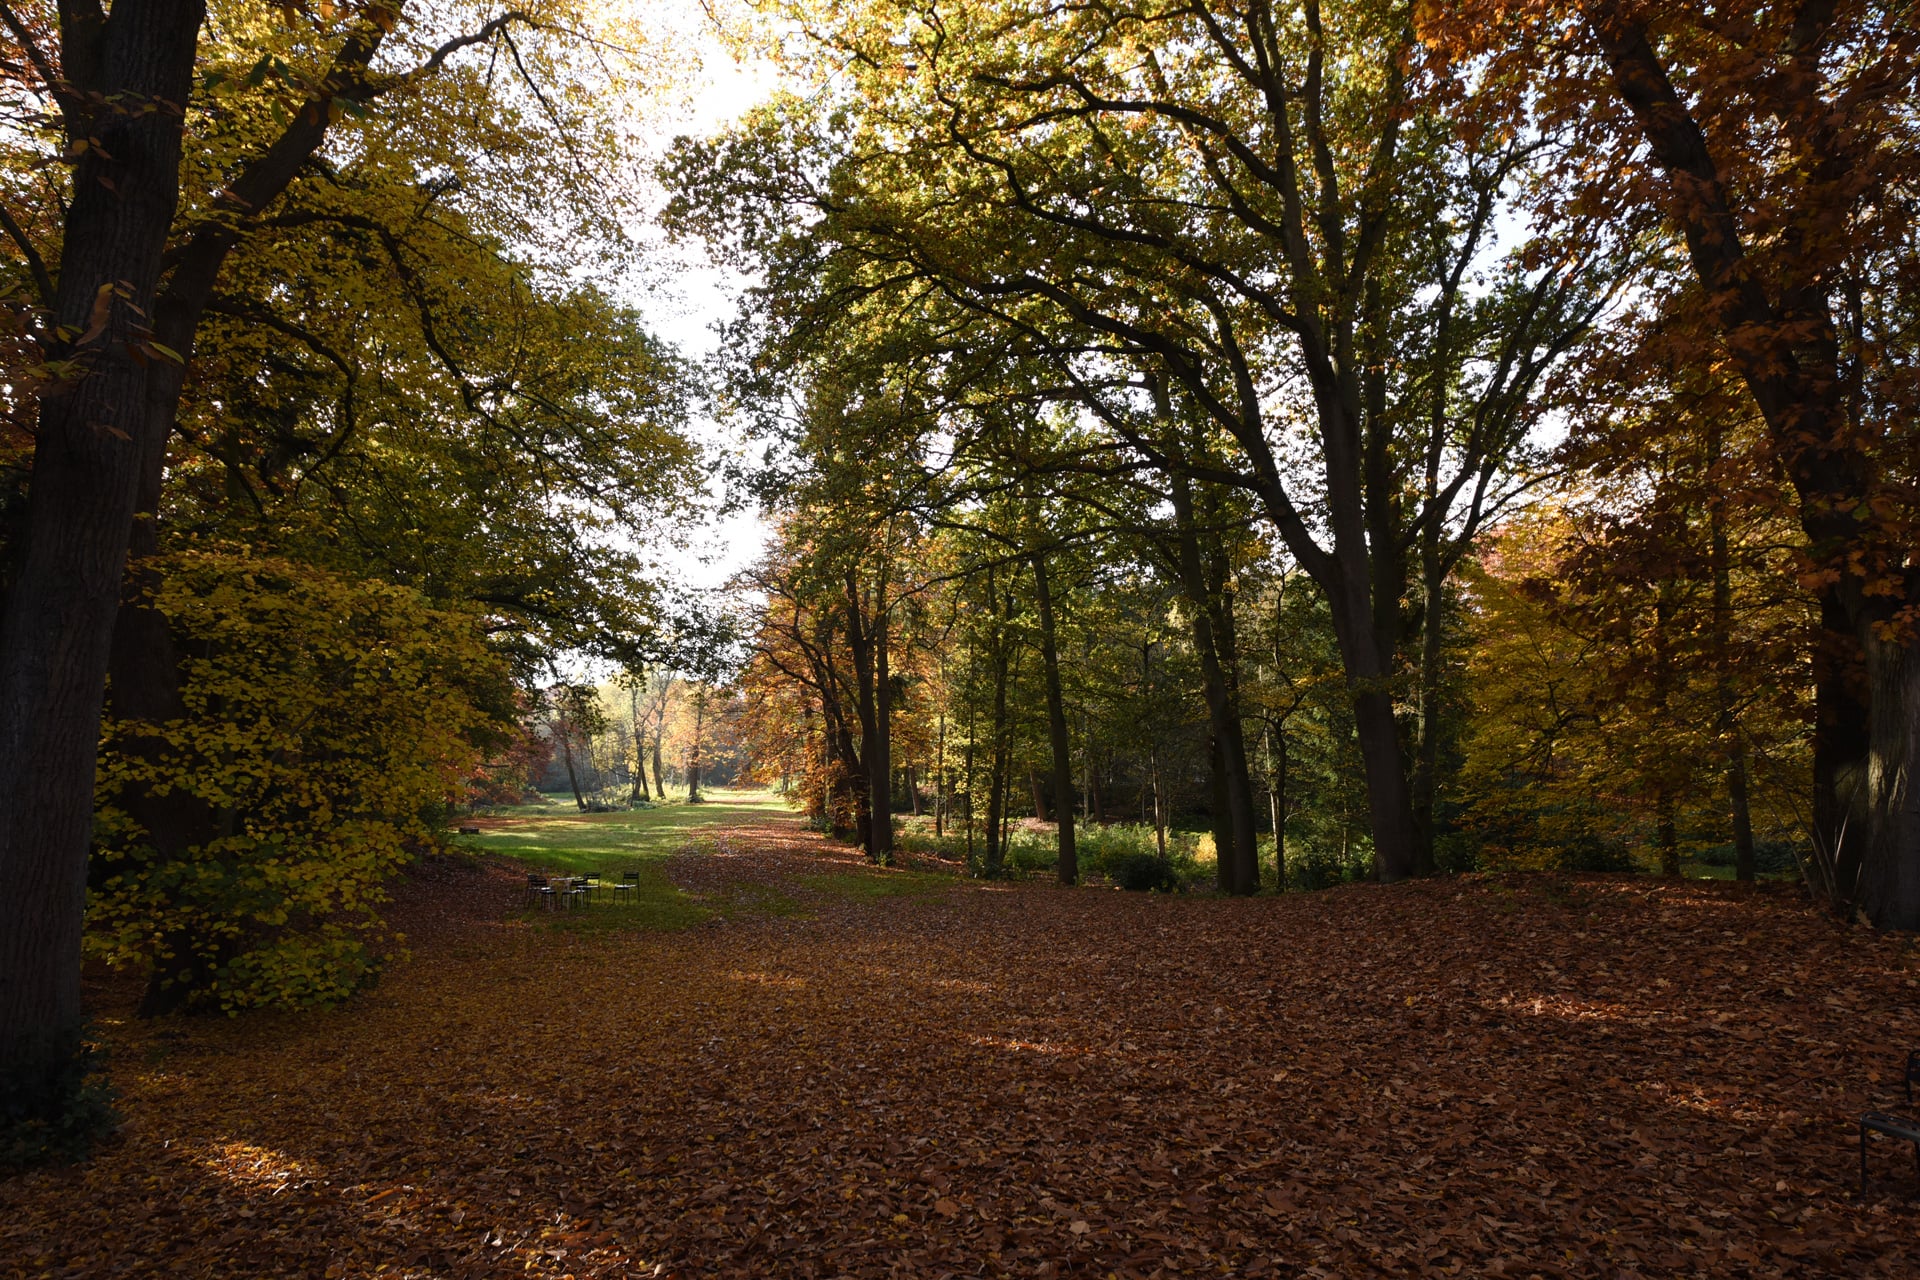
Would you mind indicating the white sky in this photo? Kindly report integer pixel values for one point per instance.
(691, 296)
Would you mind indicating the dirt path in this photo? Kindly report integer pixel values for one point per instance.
(1547, 1078)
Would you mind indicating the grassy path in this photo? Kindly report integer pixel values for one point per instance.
(901, 1074)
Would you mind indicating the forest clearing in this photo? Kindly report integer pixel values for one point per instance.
(1470, 1077)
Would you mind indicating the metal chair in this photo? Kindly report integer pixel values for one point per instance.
(1888, 1126)
(627, 888)
(539, 890)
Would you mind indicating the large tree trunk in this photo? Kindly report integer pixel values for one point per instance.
(867, 641)
(91, 446)
(1890, 874)
(1210, 608)
(145, 694)
(1389, 797)
(1069, 866)
(1787, 349)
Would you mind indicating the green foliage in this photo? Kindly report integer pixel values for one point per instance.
(1143, 873)
(325, 722)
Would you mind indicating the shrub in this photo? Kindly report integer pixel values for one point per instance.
(1314, 870)
(1143, 873)
(1588, 851)
(325, 723)
(1770, 857)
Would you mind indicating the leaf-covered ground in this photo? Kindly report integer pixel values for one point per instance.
(899, 1075)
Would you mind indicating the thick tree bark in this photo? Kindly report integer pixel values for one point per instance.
(1890, 876)
(135, 66)
(1069, 866)
(1237, 846)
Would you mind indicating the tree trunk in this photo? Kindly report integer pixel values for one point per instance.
(1211, 611)
(693, 748)
(1788, 354)
(1426, 744)
(1665, 832)
(1069, 865)
(1890, 874)
(638, 792)
(873, 704)
(996, 787)
(1278, 798)
(659, 773)
(942, 788)
(91, 447)
(564, 731)
(1159, 807)
(1726, 724)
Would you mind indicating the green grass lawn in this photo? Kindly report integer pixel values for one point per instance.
(557, 838)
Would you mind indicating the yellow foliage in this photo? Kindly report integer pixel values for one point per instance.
(326, 721)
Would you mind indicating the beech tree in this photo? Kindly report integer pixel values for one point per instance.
(1777, 142)
(126, 256)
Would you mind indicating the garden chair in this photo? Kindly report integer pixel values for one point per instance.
(628, 887)
(539, 890)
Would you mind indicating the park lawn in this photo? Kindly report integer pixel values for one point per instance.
(558, 838)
